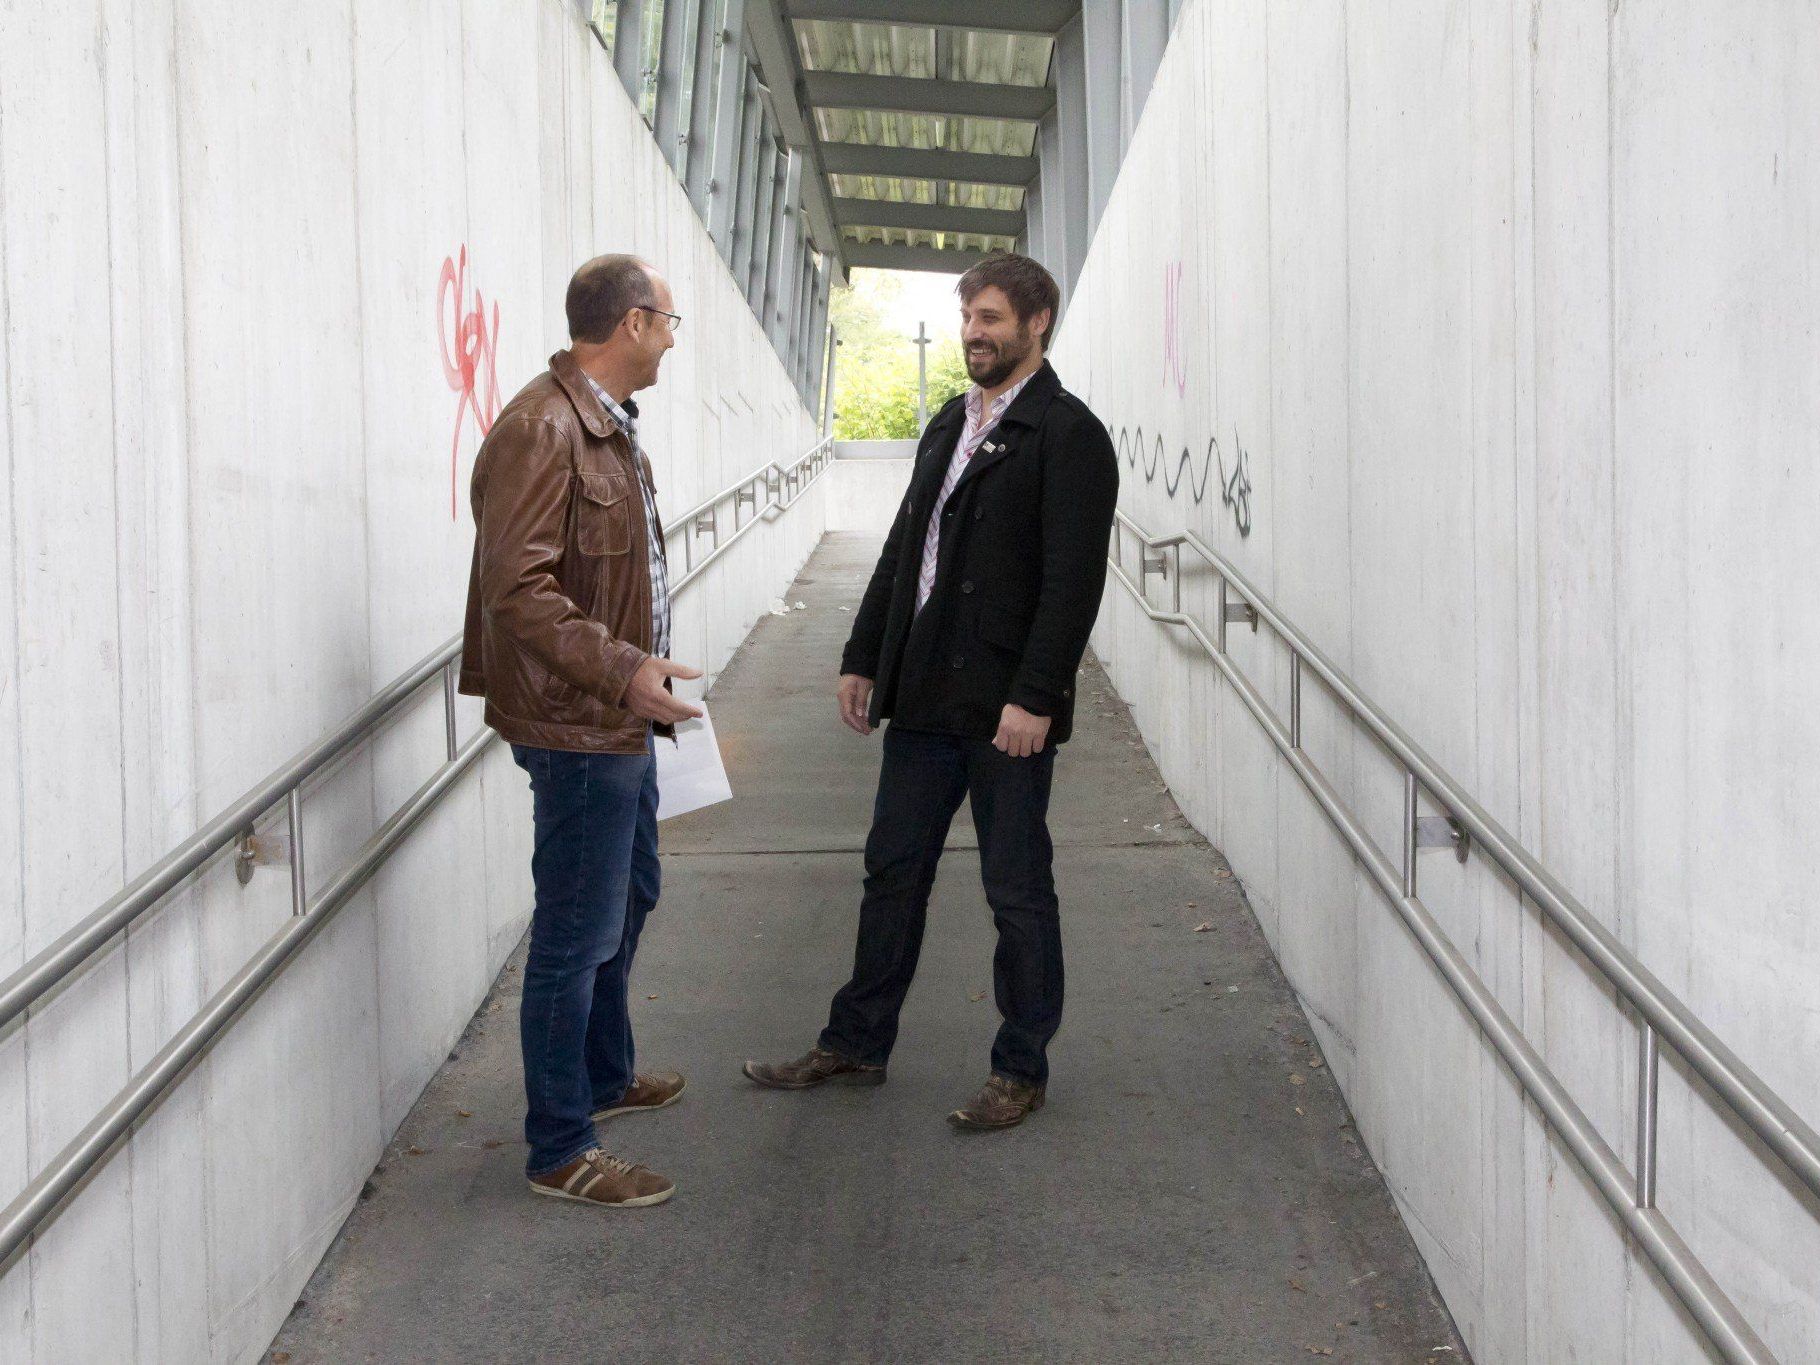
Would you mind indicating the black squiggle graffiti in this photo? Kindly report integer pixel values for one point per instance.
(1235, 488)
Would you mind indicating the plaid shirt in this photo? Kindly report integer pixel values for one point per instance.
(625, 418)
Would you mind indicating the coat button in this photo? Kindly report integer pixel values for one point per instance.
(979, 514)
(959, 662)
(967, 586)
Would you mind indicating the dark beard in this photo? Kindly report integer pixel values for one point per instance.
(1002, 364)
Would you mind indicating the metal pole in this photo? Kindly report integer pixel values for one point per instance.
(448, 709)
(922, 377)
(294, 814)
(828, 380)
(1409, 833)
(1647, 1057)
(1295, 700)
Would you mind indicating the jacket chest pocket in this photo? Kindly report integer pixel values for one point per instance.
(603, 514)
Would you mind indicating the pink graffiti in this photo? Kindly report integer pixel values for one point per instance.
(470, 357)
(1175, 366)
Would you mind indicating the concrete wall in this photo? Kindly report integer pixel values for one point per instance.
(867, 483)
(234, 251)
(1482, 336)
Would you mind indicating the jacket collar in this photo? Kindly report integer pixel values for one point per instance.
(574, 383)
(1032, 402)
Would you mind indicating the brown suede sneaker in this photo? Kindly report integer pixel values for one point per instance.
(1001, 1103)
(817, 1066)
(649, 1090)
(594, 1177)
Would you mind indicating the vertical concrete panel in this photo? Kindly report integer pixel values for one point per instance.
(1715, 389)
(430, 322)
(67, 636)
(1308, 455)
(1577, 741)
(163, 954)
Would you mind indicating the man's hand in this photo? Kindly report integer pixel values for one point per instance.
(855, 696)
(645, 695)
(1020, 734)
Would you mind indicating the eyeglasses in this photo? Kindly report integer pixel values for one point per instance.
(675, 318)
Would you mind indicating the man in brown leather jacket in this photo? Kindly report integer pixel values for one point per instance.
(568, 637)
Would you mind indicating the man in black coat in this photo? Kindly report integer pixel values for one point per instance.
(968, 640)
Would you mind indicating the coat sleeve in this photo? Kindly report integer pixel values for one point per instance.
(520, 532)
(867, 640)
(1080, 495)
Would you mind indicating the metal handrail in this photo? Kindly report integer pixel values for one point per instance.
(782, 485)
(1666, 1018)
(65, 1173)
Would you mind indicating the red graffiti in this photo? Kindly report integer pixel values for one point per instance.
(470, 357)
(1175, 368)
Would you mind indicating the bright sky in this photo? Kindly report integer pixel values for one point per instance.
(928, 298)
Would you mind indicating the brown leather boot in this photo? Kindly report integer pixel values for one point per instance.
(1001, 1103)
(817, 1066)
(649, 1090)
(594, 1177)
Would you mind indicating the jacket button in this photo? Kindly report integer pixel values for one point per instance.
(967, 586)
(979, 513)
(959, 662)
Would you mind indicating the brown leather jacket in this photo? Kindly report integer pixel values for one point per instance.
(559, 599)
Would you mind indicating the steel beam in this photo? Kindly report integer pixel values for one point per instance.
(751, 139)
(629, 50)
(781, 274)
(674, 55)
(774, 52)
(1100, 35)
(698, 144)
(1065, 161)
(767, 222)
(908, 95)
(916, 163)
(883, 257)
(722, 188)
(1141, 44)
(1026, 16)
(927, 217)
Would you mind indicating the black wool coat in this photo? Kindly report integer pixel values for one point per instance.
(1021, 567)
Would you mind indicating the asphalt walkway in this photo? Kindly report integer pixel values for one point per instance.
(1192, 1191)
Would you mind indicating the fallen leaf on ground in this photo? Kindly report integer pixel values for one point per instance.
(1191, 905)
(1316, 1063)
(976, 995)
(491, 1143)
(1380, 1303)
(413, 1151)
(279, 1357)
(1203, 928)
(1220, 874)
(1297, 1078)
(650, 997)
(464, 1114)
(1297, 1286)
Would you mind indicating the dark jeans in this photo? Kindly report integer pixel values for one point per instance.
(597, 875)
(920, 786)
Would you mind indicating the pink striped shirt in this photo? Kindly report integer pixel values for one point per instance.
(973, 435)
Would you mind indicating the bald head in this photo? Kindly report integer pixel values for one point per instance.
(602, 292)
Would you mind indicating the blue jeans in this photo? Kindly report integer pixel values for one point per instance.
(921, 783)
(596, 874)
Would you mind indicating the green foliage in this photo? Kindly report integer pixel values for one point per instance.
(875, 386)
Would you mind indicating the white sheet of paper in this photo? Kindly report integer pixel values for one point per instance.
(690, 774)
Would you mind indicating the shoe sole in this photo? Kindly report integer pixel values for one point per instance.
(966, 1124)
(600, 1114)
(862, 1078)
(643, 1201)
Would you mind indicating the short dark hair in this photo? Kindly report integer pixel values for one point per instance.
(1029, 287)
(602, 292)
